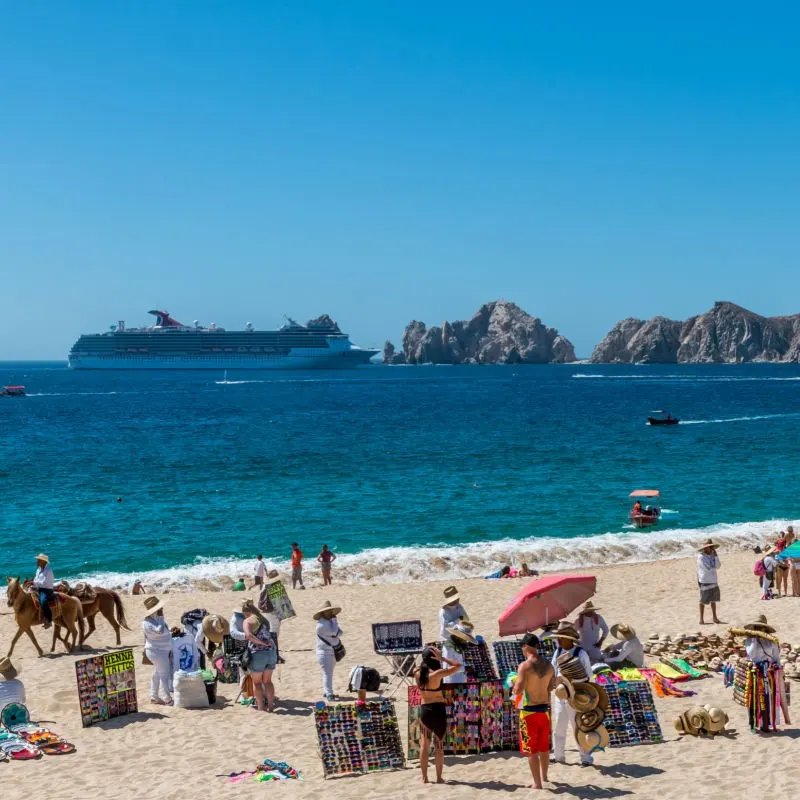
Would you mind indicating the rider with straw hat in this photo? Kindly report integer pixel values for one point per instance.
(44, 582)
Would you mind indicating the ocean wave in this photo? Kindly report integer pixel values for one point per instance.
(450, 562)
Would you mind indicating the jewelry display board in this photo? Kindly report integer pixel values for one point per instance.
(356, 738)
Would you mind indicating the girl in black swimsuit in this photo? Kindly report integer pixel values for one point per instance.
(433, 711)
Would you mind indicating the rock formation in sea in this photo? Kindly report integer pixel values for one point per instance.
(390, 354)
(499, 333)
(726, 334)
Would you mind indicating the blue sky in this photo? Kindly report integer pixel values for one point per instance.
(386, 161)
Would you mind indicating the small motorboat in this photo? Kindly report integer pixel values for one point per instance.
(667, 419)
(645, 516)
(12, 391)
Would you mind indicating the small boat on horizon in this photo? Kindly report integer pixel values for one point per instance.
(664, 420)
(12, 391)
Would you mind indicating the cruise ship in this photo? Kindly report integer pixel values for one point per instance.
(168, 344)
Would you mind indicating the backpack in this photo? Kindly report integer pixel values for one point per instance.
(364, 679)
(759, 568)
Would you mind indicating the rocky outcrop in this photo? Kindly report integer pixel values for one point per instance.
(499, 333)
(726, 334)
(326, 322)
(390, 355)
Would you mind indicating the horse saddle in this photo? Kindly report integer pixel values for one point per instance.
(56, 601)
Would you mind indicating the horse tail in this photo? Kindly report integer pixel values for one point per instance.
(120, 611)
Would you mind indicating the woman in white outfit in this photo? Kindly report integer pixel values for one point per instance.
(453, 649)
(158, 649)
(328, 638)
(593, 631)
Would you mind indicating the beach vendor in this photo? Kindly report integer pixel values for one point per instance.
(765, 692)
(328, 645)
(593, 631)
(451, 611)
(535, 680)
(158, 651)
(44, 584)
(429, 677)
(707, 565)
(569, 661)
(630, 651)
(458, 636)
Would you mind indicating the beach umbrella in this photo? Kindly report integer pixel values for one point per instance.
(792, 551)
(546, 600)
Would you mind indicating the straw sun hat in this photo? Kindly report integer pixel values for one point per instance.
(585, 697)
(151, 605)
(589, 608)
(565, 630)
(451, 595)
(760, 624)
(708, 543)
(42, 557)
(326, 606)
(7, 669)
(462, 632)
(592, 740)
(215, 628)
(623, 632)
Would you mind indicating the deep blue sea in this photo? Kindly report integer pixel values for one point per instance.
(406, 472)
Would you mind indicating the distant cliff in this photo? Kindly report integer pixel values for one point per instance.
(726, 334)
(499, 333)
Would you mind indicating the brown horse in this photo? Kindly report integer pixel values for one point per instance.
(67, 612)
(105, 602)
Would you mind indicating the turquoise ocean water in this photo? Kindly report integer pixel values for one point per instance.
(406, 472)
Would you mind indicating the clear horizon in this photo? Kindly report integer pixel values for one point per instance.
(383, 164)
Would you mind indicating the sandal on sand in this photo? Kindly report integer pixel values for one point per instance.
(156, 701)
(58, 749)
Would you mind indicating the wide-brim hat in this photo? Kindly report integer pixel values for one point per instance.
(273, 576)
(760, 624)
(589, 720)
(589, 741)
(326, 606)
(623, 632)
(708, 543)
(570, 666)
(565, 630)
(563, 689)
(42, 557)
(7, 669)
(457, 632)
(451, 595)
(215, 628)
(152, 605)
(589, 608)
(585, 696)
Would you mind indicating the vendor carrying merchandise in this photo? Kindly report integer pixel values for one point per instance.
(451, 611)
(630, 651)
(457, 637)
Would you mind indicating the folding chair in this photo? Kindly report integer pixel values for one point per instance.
(400, 643)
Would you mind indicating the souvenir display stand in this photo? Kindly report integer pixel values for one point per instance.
(508, 654)
(400, 643)
(480, 719)
(631, 718)
(106, 686)
(279, 598)
(356, 738)
(740, 681)
(760, 688)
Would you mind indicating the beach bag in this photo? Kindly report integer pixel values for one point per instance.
(365, 679)
(190, 690)
(759, 569)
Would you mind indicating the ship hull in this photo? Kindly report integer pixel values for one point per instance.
(348, 359)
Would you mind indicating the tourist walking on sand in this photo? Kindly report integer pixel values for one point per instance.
(263, 658)
(260, 570)
(158, 651)
(451, 611)
(328, 645)
(429, 676)
(44, 583)
(326, 558)
(593, 631)
(573, 660)
(707, 565)
(297, 566)
(535, 680)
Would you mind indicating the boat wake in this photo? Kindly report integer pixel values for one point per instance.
(450, 562)
(737, 419)
(682, 378)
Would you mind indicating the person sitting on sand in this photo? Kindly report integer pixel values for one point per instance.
(158, 650)
(593, 630)
(630, 653)
(707, 565)
(430, 676)
(535, 680)
(262, 661)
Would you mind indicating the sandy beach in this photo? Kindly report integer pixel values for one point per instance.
(174, 753)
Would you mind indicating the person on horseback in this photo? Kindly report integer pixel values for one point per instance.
(44, 584)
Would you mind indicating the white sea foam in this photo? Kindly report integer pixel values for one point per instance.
(737, 419)
(449, 562)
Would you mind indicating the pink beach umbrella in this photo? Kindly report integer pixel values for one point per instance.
(544, 601)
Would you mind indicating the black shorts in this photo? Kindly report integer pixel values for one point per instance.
(433, 716)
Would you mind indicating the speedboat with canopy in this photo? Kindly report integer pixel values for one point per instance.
(646, 510)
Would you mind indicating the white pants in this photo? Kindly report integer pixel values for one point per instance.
(327, 662)
(454, 655)
(162, 672)
(563, 718)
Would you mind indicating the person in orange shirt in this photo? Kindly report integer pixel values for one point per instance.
(297, 566)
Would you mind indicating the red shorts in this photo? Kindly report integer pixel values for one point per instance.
(534, 732)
